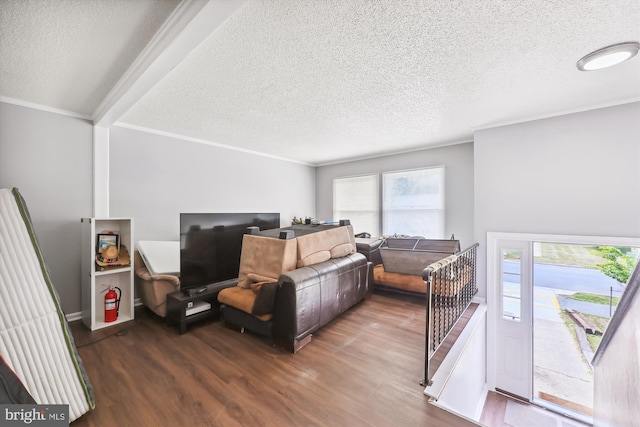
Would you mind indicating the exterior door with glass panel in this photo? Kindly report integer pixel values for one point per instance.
(514, 323)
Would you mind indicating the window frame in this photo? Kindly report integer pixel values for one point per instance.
(380, 194)
(441, 210)
(377, 212)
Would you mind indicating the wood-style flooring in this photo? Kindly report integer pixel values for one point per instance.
(494, 410)
(363, 369)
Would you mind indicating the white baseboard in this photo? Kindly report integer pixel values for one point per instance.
(478, 300)
(481, 403)
(72, 317)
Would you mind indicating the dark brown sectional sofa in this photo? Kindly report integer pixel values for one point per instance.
(290, 287)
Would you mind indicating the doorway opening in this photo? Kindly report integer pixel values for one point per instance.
(576, 289)
(514, 301)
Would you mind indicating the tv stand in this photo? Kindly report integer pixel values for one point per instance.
(180, 303)
(194, 292)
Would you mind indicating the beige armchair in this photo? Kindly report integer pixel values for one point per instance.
(153, 289)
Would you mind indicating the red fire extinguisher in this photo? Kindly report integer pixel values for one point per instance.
(112, 304)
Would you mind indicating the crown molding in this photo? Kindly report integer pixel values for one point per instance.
(396, 153)
(46, 108)
(558, 114)
(206, 142)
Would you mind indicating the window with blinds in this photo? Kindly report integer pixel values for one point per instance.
(357, 199)
(413, 202)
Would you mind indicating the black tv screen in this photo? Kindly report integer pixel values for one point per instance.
(210, 245)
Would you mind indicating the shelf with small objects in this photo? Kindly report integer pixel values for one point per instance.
(107, 266)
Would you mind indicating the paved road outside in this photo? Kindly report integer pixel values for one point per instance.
(559, 368)
(565, 280)
(569, 278)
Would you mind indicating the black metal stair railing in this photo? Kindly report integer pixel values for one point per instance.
(451, 285)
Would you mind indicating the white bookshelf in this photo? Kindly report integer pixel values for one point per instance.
(96, 281)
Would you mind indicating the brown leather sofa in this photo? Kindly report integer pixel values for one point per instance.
(321, 277)
(403, 261)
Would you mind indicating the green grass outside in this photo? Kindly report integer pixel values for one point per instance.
(597, 299)
(512, 255)
(601, 323)
(569, 254)
(594, 340)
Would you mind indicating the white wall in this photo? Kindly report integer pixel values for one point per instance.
(48, 157)
(577, 174)
(154, 178)
(465, 390)
(458, 162)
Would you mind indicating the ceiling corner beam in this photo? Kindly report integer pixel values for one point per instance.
(189, 25)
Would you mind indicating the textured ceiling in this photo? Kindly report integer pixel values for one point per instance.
(68, 54)
(325, 81)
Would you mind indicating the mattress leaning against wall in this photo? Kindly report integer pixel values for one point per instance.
(35, 339)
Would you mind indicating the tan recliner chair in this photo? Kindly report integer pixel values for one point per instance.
(153, 289)
(262, 261)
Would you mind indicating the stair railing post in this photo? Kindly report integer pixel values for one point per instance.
(427, 276)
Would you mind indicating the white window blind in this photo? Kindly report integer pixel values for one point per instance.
(357, 199)
(413, 202)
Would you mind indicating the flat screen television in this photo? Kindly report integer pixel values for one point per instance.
(210, 245)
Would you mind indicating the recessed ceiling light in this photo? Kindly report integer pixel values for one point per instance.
(608, 56)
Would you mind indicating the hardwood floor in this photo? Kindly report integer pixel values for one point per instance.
(494, 410)
(363, 369)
